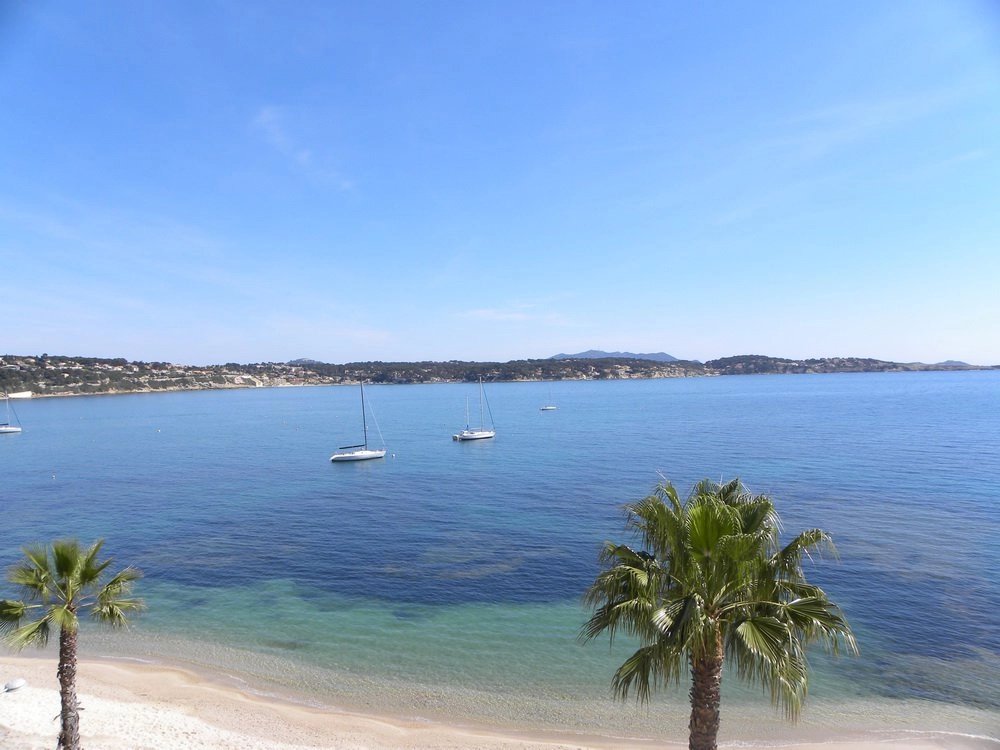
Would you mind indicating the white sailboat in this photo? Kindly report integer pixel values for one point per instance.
(549, 406)
(9, 427)
(482, 433)
(361, 452)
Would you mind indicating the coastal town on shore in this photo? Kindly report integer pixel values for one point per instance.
(23, 376)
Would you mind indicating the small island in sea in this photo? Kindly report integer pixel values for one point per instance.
(49, 375)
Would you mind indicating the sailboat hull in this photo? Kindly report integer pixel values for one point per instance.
(474, 435)
(360, 455)
(9, 429)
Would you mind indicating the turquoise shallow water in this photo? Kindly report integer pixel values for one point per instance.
(446, 579)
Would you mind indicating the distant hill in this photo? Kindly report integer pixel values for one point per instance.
(597, 354)
(758, 364)
(69, 376)
(952, 363)
(304, 361)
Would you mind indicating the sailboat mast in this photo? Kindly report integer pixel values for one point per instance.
(482, 415)
(364, 419)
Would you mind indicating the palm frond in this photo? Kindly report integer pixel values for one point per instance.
(11, 614)
(627, 615)
(743, 548)
(732, 492)
(34, 633)
(708, 522)
(637, 673)
(612, 554)
(788, 684)
(116, 612)
(682, 624)
(120, 584)
(34, 581)
(623, 595)
(764, 653)
(789, 558)
(793, 589)
(668, 493)
(62, 616)
(66, 558)
(38, 556)
(90, 569)
(704, 488)
(758, 515)
(657, 520)
(818, 619)
(647, 669)
(765, 637)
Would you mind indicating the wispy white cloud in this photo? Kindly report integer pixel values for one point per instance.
(811, 151)
(965, 157)
(815, 134)
(100, 242)
(495, 314)
(319, 328)
(272, 123)
(515, 313)
(770, 197)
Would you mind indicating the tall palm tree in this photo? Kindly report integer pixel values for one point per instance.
(713, 585)
(58, 584)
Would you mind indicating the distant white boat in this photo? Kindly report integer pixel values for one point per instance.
(9, 427)
(361, 452)
(549, 406)
(482, 433)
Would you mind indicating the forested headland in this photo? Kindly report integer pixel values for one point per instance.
(50, 375)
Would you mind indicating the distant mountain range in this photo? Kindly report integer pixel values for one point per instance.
(598, 354)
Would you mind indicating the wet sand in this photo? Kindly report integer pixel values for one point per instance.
(129, 706)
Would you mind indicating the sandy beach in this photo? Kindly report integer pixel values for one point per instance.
(130, 706)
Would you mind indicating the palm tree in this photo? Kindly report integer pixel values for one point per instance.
(58, 584)
(713, 585)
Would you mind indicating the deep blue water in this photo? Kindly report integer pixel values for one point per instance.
(466, 561)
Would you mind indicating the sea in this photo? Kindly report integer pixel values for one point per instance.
(444, 582)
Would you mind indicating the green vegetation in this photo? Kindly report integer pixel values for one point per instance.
(753, 364)
(59, 583)
(515, 370)
(713, 585)
(46, 375)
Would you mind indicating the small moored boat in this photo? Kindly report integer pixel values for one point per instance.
(360, 452)
(482, 433)
(9, 427)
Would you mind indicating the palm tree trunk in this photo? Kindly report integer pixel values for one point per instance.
(69, 733)
(706, 684)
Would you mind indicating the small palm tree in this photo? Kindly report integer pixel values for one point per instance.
(58, 584)
(712, 585)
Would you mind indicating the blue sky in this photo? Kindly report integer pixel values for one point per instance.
(206, 182)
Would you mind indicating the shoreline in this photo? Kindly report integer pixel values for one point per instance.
(133, 704)
(35, 395)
